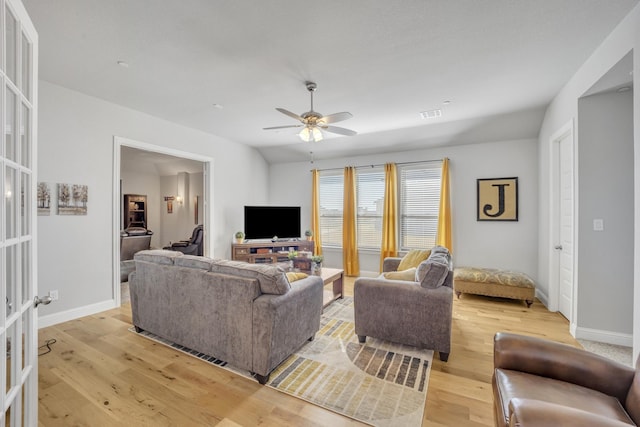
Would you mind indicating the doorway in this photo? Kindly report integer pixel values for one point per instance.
(176, 189)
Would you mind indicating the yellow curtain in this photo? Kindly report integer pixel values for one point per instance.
(444, 215)
(390, 214)
(315, 211)
(349, 226)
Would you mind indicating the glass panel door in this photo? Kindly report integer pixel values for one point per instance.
(18, 322)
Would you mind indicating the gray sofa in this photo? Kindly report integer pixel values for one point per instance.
(248, 315)
(416, 313)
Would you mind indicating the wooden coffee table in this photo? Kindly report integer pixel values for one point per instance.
(332, 279)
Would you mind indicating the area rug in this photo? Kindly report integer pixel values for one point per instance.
(379, 383)
(618, 353)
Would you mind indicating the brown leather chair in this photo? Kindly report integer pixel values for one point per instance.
(538, 382)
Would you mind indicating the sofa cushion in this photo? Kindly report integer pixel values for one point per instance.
(157, 256)
(292, 276)
(407, 275)
(193, 261)
(413, 258)
(494, 276)
(272, 278)
(512, 384)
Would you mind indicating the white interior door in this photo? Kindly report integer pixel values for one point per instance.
(565, 243)
(18, 322)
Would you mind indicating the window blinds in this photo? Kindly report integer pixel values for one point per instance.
(419, 204)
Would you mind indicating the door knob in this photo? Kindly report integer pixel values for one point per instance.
(44, 300)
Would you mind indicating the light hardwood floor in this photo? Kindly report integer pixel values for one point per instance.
(100, 374)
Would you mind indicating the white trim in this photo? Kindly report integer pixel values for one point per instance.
(160, 149)
(115, 224)
(608, 337)
(118, 143)
(75, 313)
(544, 298)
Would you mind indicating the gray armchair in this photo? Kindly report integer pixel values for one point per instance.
(405, 312)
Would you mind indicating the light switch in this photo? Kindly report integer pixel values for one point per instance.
(598, 224)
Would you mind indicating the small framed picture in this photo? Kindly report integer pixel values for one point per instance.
(497, 199)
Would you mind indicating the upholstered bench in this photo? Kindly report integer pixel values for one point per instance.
(494, 283)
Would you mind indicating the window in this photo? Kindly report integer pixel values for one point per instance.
(331, 201)
(419, 204)
(370, 200)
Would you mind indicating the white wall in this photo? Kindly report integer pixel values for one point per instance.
(179, 224)
(564, 107)
(149, 185)
(606, 192)
(75, 145)
(510, 245)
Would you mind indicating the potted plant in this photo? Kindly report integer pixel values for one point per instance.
(309, 234)
(239, 236)
(292, 255)
(316, 262)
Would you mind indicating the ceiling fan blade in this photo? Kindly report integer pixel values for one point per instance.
(339, 130)
(283, 127)
(290, 114)
(336, 117)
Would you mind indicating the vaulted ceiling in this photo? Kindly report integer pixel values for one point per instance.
(222, 66)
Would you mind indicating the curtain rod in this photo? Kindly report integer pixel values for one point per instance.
(382, 164)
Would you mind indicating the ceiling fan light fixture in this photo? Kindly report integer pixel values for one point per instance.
(310, 134)
(313, 123)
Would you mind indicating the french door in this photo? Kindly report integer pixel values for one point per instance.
(18, 322)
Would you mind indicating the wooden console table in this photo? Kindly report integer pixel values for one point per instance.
(268, 251)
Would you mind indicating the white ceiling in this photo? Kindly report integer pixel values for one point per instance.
(499, 62)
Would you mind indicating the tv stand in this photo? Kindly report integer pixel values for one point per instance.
(267, 251)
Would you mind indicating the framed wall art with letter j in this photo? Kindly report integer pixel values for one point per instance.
(498, 199)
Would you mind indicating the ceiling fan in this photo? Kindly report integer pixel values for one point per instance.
(313, 122)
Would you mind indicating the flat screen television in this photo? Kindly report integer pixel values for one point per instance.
(266, 222)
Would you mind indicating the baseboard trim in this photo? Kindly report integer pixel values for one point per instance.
(74, 313)
(608, 337)
(544, 299)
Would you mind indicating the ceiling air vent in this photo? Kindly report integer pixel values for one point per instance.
(431, 114)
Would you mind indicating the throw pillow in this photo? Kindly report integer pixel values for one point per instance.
(432, 272)
(408, 275)
(439, 249)
(413, 258)
(292, 276)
